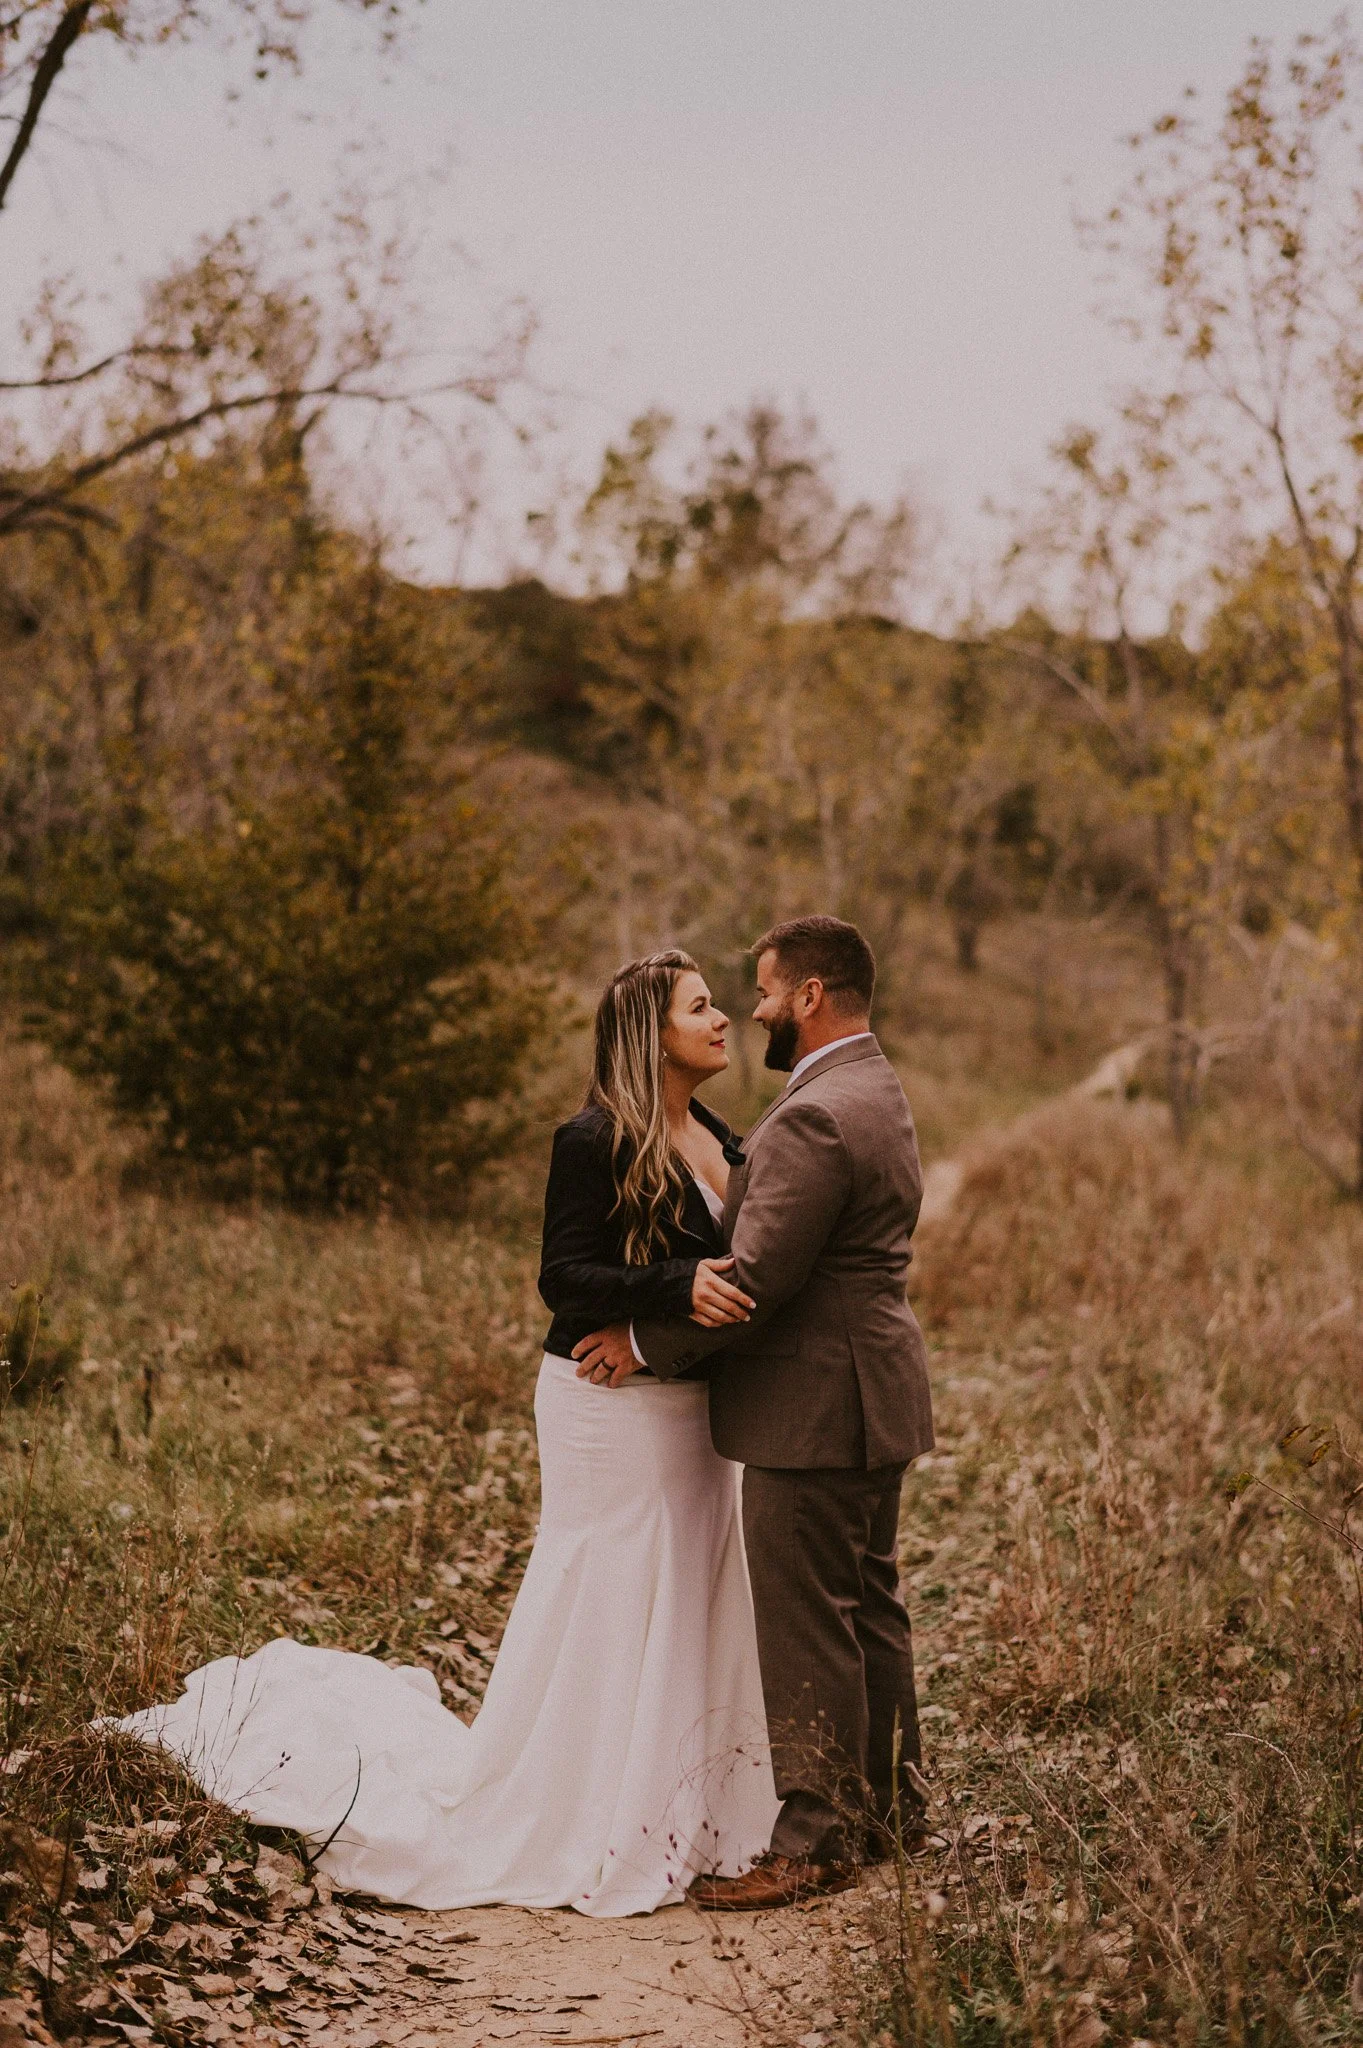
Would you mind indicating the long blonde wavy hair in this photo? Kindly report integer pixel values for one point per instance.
(627, 1083)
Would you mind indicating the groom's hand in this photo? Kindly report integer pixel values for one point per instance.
(606, 1358)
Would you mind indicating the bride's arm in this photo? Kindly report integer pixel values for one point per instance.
(576, 1272)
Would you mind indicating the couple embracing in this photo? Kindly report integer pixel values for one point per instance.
(707, 1676)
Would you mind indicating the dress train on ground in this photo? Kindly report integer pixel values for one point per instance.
(621, 1746)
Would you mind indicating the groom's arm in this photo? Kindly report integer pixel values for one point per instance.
(799, 1180)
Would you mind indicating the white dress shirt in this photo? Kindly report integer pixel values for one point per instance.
(832, 1046)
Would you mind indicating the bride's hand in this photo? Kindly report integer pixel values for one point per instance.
(714, 1299)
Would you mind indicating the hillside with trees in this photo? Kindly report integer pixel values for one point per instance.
(310, 869)
(229, 720)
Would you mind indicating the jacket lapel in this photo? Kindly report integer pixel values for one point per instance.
(863, 1049)
(867, 1048)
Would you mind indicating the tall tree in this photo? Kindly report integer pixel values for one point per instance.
(754, 505)
(220, 337)
(323, 975)
(1247, 234)
(1105, 522)
(228, 337)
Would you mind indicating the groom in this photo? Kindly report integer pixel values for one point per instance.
(823, 1398)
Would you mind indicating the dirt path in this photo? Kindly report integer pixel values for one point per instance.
(675, 1979)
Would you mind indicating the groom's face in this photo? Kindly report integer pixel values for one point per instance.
(775, 1012)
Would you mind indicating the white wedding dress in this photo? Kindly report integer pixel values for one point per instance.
(621, 1747)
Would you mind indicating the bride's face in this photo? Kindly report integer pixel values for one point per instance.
(694, 1035)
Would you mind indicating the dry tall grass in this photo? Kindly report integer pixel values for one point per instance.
(1141, 1675)
(237, 1424)
(1137, 1589)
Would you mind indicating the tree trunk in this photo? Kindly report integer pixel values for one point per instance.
(143, 582)
(63, 38)
(1043, 1034)
(1351, 770)
(1173, 951)
(1178, 1065)
(1337, 590)
(1358, 1134)
(1349, 744)
(967, 946)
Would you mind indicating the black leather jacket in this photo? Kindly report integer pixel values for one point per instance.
(583, 1275)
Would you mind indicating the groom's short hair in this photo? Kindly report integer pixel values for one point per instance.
(826, 947)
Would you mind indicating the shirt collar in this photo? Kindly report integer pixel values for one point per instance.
(832, 1046)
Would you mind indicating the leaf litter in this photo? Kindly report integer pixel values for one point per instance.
(248, 1950)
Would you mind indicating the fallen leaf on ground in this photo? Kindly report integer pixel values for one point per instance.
(130, 1932)
(43, 1954)
(214, 1985)
(382, 1923)
(49, 1865)
(271, 1980)
(276, 1870)
(211, 1944)
(20, 2024)
(181, 2004)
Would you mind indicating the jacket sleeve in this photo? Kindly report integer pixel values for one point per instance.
(576, 1276)
(799, 1182)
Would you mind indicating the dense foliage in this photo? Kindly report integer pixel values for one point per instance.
(329, 984)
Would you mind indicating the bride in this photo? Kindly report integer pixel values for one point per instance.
(621, 1746)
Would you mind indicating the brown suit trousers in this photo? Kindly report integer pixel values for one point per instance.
(836, 1652)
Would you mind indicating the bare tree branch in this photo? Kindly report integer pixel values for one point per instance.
(75, 514)
(120, 355)
(45, 73)
(1087, 695)
(57, 497)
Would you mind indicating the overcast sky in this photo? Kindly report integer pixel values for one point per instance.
(862, 205)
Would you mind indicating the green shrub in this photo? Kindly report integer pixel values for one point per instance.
(329, 989)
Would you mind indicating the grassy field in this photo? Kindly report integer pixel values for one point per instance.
(234, 1425)
(1135, 1587)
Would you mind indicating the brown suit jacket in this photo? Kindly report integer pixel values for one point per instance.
(832, 1369)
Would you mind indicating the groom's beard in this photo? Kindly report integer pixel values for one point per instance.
(782, 1042)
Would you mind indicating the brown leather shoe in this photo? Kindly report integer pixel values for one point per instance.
(772, 1881)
